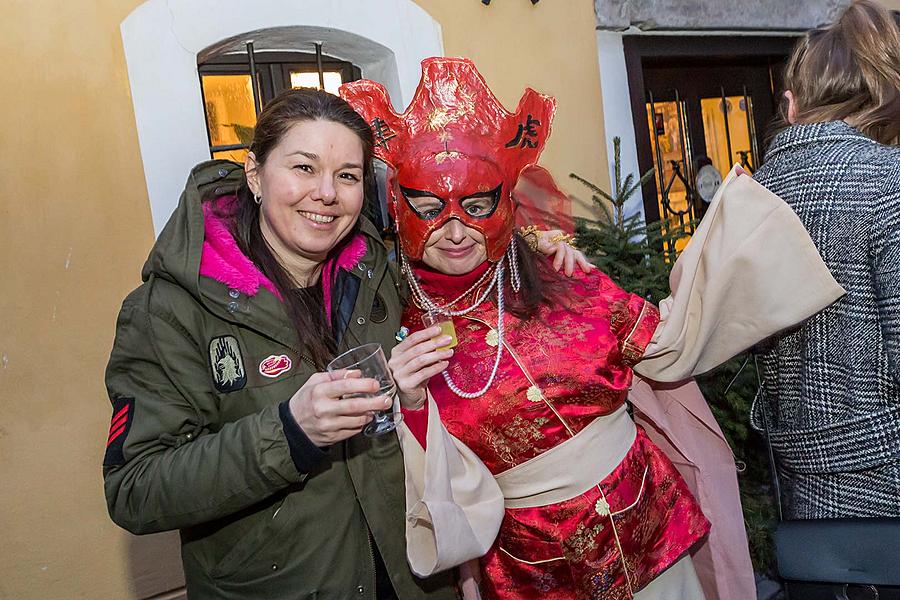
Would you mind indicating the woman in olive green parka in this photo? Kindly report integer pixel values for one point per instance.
(223, 425)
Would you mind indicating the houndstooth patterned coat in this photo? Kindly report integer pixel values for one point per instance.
(831, 388)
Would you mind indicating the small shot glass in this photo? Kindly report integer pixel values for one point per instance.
(430, 319)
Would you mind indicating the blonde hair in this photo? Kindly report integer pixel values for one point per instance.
(850, 70)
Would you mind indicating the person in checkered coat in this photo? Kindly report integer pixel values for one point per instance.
(831, 388)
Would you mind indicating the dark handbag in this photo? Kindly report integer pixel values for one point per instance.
(835, 559)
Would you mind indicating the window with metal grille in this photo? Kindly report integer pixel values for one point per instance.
(232, 99)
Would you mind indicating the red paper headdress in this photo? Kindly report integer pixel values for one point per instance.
(454, 142)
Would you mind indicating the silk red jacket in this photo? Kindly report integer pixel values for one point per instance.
(560, 370)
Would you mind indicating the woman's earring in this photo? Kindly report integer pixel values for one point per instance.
(257, 198)
(515, 278)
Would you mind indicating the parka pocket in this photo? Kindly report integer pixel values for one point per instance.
(249, 547)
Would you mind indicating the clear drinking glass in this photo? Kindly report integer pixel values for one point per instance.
(370, 361)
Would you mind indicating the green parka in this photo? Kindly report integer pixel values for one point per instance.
(197, 443)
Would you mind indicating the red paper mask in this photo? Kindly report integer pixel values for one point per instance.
(457, 144)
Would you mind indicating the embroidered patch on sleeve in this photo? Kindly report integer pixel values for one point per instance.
(227, 364)
(119, 425)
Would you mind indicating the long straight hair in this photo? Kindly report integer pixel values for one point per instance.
(305, 307)
(541, 285)
(849, 70)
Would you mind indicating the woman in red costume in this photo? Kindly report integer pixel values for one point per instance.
(534, 393)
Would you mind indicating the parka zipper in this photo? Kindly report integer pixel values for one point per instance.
(345, 445)
(374, 588)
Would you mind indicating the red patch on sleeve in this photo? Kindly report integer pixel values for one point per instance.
(119, 425)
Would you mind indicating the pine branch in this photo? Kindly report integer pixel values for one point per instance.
(627, 184)
(593, 187)
(617, 162)
(644, 179)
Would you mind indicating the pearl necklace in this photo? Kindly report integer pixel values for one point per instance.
(426, 302)
(430, 305)
(498, 281)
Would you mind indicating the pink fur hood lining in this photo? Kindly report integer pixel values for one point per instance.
(222, 260)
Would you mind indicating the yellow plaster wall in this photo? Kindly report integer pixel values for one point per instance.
(75, 228)
(550, 46)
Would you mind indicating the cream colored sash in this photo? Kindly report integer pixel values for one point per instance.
(573, 467)
(454, 506)
(749, 271)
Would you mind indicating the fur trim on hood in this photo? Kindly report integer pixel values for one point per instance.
(223, 261)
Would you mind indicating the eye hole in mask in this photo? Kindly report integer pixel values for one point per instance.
(483, 204)
(427, 206)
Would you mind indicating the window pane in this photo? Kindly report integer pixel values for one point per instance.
(307, 79)
(230, 114)
(714, 130)
(237, 156)
(666, 132)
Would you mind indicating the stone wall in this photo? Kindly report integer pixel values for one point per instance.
(763, 15)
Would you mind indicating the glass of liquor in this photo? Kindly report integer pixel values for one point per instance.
(369, 360)
(432, 318)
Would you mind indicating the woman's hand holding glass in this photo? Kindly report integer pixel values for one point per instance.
(417, 359)
(369, 360)
(325, 413)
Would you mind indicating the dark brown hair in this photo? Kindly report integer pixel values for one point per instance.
(849, 70)
(305, 307)
(541, 285)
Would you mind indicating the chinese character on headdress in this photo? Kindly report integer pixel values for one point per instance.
(382, 133)
(525, 133)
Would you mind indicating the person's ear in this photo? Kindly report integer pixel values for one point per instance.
(251, 168)
(792, 106)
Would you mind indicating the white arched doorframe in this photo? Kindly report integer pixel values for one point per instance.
(162, 39)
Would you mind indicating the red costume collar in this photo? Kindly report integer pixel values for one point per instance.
(441, 285)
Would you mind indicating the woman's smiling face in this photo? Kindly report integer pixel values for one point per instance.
(311, 189)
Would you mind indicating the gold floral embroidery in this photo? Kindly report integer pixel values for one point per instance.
(534, 335)
(562, 513)
(466, 101)
(515, 438)
(443, 155)
(601, 586)
(583, 541)
(618, 314)
(592, 395)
